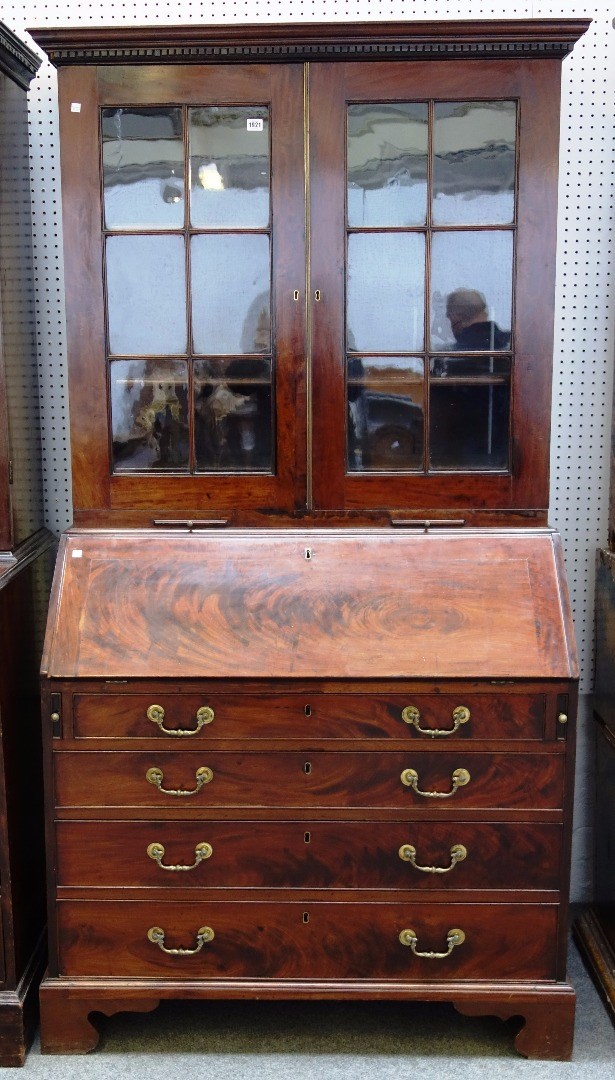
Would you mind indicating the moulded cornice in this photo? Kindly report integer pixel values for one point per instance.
(16, 59)
(277, 42)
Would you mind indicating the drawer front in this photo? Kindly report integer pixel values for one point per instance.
(183, 718)
(306, 941)
(315, 854)
(193, 780)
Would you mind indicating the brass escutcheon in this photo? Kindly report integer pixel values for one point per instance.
(204, 715)
(203, 776)
(411, 715)
(201, 851)
(407, 853)
(453, 938)
(410, 778)
(156, 935)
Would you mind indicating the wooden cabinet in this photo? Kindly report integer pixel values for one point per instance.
(359, 811)
(309, 290)
(25, 571)
(327, 287)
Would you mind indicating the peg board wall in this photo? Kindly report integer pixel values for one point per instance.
(585, 311)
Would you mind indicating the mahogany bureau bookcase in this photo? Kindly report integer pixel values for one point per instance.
(26, 552)
(309, 678)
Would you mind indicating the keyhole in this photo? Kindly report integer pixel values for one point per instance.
(307, 837)
(308, 553)
(307, 768)
(308, 710)
(306, 916)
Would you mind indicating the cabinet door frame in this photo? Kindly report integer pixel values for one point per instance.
(83, 92)
(535, 85)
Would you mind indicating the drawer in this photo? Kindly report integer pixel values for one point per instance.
(306, 941)
(300, 716)
(309, 854)
(210, 778)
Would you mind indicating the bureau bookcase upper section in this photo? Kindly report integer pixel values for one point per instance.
(310, 271)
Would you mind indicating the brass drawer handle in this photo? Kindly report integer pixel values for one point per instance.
(204, 715)
(453, 938)
(156, 776)
(411, 715)
(156, 935)
(201, 851)
(407, 853)
(460, 778)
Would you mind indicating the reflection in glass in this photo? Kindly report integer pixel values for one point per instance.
(474, 162)
(386, 292)
(469, 412)
(387, 164)
(385, 413)
(230, 293)
(229, 166)
(149, 414)
(233, 414)
(471, 279)
(146, 295)
(143, 168)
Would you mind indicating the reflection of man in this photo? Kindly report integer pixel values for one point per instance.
(466, 310)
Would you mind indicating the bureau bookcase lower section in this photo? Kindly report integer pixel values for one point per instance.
(355, 834)
(348, 861)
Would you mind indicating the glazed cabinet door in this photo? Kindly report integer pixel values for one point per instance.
(185, 186)
(432, 230)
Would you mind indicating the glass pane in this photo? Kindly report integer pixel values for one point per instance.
(146, 295)
(471, 281)
(143, 168)
(469, 412)
(230, 294)
(385, 413)
(229, 166)
(387, 164)
(149, 414)
(232, 406)
(386, 292)
(474, 163)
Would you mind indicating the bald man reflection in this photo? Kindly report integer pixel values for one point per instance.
(473, 330)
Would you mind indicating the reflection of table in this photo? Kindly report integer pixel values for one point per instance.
(595, 929)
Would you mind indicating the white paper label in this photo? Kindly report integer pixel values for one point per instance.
(77, 553)
(75, 106)
(254, 125)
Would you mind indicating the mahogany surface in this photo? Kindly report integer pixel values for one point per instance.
(307, 853)
(25, 571)
(365, 779)
(325, 660)
(310, 479)
(240, 605)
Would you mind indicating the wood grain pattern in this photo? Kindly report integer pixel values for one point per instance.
(366, 779)
(310, 337)
(335, 942)
(307, 637)
(304, 853)
(251, 605)
(310, 715)
(547, 1032)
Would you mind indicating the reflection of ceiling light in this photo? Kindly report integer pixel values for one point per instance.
(209, 177)
(171, 194)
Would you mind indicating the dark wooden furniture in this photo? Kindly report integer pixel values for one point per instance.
(25, 549)
(327, 259)
(287, 815)
(595, 928)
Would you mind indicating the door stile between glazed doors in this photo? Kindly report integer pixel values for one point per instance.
(517, 376)
(99, 355)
